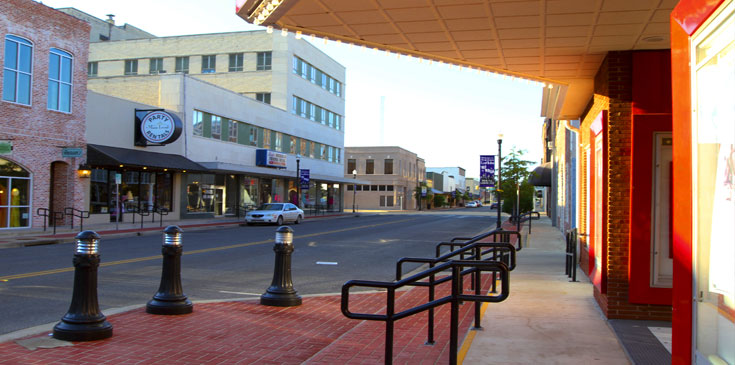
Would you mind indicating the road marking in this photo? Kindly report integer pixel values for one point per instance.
(158, 257)
(326, 263)
(237, 292)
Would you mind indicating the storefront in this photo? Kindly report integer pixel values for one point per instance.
(703, 64)
(15, 202)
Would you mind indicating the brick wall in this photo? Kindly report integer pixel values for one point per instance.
(614, 81)
(38, 134)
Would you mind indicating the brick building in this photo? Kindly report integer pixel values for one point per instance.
(42, 111)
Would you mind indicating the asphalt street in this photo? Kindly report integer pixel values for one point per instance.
(228, 262)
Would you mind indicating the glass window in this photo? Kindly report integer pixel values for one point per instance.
(131, 67)
(303, 150)
(373, 187)
(232, 137)
(382, 200)
(349, 187)
(17, 70)
(369, 167)
(182, 64)
(263, 97)
(337, 155)
(156, 66)
(59, 80)
(389, 200)
(266, 138)
(323, 151)
(235, 62)
(312, 111)
(388, 167)
(296, 61)
(216, 127)
(381, 187)
(293, 145)
(209, 63)
(279, 142)
(14, 195)
(331, 119)
(303, 109)
(351, 165)
(264, 61)
(330, 151)
(91, 69)
(337, 122)
(198, 123)
(253, 136)
(389, 187)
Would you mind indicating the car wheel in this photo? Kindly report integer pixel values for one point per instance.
(298, 219)
(279, 221)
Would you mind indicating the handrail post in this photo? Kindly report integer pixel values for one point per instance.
(454, 321)
(390, 310)
(477, 276)
(430, 334)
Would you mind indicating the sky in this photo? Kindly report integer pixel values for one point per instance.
(447, 115)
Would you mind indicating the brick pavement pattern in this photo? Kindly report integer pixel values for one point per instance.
(245, 332)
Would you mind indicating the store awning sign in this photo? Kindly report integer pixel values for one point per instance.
(487, 171)
(156, 127)
(268, 158)
(304, 178)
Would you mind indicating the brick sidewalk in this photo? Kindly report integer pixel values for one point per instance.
(245, 332)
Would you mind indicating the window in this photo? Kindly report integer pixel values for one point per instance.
(263, 97)
(236, 62)
(337, 123)
(337, 154)
(91, 69)
(59, 80)
(198, 123)
(381, 187)
(266, 138)
(370, 167)
(388, 167)
(382, 200)
(182, 64)
(208, 64)
(389, 187)
(156, 66)
(264, 61)
(349, 187)
(323, 151)
(358, 187)
(279, 142)
(351, 165)
(331, 154)
(131, 67)
(216, 127)
(253, 136)
(15, 196)
(17, 70)
(304, 149)
(232, 137)
(389, 201)
(373, 187)
(293, 145)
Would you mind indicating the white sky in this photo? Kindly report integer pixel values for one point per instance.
(449, 116)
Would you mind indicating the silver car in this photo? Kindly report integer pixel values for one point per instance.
(277, 213)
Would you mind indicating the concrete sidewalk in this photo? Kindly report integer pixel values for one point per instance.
(546, 320)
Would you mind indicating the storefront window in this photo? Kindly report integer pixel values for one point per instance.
(14, 195)
(714, 184)
(200, 193)
(249, 192)
(138, 191)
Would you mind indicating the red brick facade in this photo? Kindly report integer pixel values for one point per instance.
(36, 133)
(615, 82)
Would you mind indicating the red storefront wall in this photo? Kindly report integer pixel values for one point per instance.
(686, 18)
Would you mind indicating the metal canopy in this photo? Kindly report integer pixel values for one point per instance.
(541, 175)
(562, 42)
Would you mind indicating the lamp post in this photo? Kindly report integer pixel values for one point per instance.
(354, 189)
(497, 189)
(298, 181)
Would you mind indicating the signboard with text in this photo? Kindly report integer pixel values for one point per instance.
(304, 178)
(487, 171)
(268, 158)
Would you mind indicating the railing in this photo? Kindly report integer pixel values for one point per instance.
(523, 217)
(141, 212)
(454, 298)
(161, 212)
(53, 217)
(81, 214)
(571, 264)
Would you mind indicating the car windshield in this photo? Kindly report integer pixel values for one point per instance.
(271, 207)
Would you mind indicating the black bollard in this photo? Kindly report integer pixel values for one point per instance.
(84, 321)
(281, 292)
(170, 298)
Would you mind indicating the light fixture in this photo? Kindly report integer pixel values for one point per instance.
(298, 34)
(184, 171)
(145, 168)
(165, 169)
(269, 29)
(284, 32)
(121, 165)
(84, 171)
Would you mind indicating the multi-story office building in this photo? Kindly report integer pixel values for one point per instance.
(237, 94)
(393, 175)
(42, 111)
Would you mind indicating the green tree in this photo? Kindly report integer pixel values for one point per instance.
(439, 200)
(515, 176)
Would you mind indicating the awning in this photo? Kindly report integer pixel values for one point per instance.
(114, 156)
(434, 191)
(541, 175)
(229, 168)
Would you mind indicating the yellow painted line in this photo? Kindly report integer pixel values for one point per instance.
(149, 258)
(470, 337)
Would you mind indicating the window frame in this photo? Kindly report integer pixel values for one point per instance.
(370, 166)
(158, 63)
(179, 64)
(216, 121)
(263, 97)
(264, 61)
(211, 64)
(232, 126)
(386, 165)
(92, 65)
(59, 81)
(20, 42)
(131, 67)
(238, 62)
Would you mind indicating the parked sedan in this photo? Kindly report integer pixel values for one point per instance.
(277, 213)
(471, 205)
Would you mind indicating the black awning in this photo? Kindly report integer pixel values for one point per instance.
(113, 156)
(541, 175)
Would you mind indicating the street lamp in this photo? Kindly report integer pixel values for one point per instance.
(298, 181)
(354, 189)
(497, 188)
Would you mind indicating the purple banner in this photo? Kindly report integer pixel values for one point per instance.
(487, 171)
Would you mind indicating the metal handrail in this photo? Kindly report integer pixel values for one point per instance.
(81, 214)
(53, 217)
(454, 298)
(161, 212)
(43, 212)
(571, 264)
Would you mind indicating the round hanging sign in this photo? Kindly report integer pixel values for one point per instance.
(157, 127)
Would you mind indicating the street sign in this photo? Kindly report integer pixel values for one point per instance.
(118, 179)
(6, 147)
(487, 171)
(72, 152)
(304, 177)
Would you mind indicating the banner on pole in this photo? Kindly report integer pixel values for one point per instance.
(487, 171)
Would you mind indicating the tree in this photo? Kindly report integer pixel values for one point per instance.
(515, 176)
(438, 200)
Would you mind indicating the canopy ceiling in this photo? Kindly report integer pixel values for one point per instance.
(561, 42)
